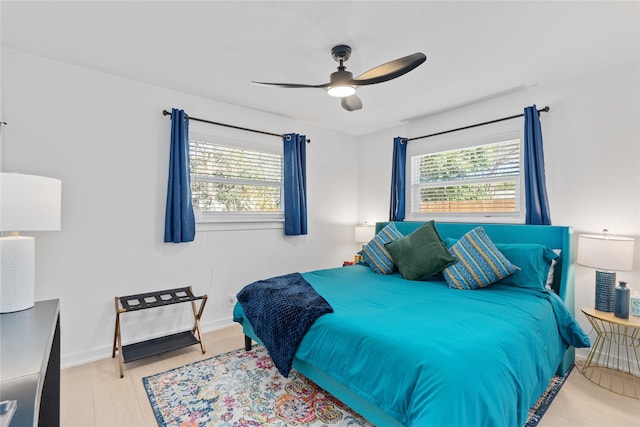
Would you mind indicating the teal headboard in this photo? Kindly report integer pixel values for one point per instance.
(553, 236)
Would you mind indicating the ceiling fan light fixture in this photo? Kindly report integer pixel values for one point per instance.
(342, 84)
(341, 91)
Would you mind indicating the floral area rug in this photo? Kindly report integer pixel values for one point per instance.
(244, 389)
(241, 389)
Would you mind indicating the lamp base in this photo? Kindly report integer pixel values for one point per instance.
(17, 273)
(605, 290)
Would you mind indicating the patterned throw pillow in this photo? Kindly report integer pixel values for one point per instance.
(480, 262)
(376, 255)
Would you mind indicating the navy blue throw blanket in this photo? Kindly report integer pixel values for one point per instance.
(281, 310)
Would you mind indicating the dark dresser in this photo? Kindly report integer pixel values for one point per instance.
(30, 364)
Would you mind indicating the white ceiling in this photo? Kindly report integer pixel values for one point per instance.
(474, 49)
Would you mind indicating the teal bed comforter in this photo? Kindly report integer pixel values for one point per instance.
(429, 355)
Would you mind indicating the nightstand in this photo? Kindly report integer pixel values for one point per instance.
(614, 359)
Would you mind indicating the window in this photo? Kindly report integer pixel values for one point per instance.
(235, 180)
(482, 180)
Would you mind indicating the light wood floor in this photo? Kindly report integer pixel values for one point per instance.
(94, 394)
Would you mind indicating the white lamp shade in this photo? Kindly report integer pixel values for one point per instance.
(364, 233)
(29, 202)
(604, 252)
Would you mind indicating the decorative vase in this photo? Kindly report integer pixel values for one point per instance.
(621, 305)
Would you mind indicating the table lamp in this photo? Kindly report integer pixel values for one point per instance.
(27, 202)
(364, 233)
(607, 254)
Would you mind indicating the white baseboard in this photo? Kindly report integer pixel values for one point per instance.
(80, 358)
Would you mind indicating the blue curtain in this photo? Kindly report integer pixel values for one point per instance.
(398, 178)
(537, 203)
(180, 224)
(295, 184)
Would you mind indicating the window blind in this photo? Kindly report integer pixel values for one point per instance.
(480, 179)
(234, 179)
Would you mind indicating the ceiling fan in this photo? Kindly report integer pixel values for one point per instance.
(343, 85)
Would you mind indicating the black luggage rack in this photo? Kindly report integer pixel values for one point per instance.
(155, 346)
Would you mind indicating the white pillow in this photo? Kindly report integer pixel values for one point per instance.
(553, 266)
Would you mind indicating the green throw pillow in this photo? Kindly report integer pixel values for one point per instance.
(421, 254)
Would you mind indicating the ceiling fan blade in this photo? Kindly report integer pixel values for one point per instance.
(390, 70)
(351, 103)
(290, 85)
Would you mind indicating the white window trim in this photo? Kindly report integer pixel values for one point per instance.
(464, 140)
(226, 221)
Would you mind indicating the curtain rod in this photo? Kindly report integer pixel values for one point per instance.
(168, 113)
(544, 109)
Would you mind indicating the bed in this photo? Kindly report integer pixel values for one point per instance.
(421, 353)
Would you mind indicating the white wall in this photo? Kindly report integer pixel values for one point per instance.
(592, 157)
(106, 139)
